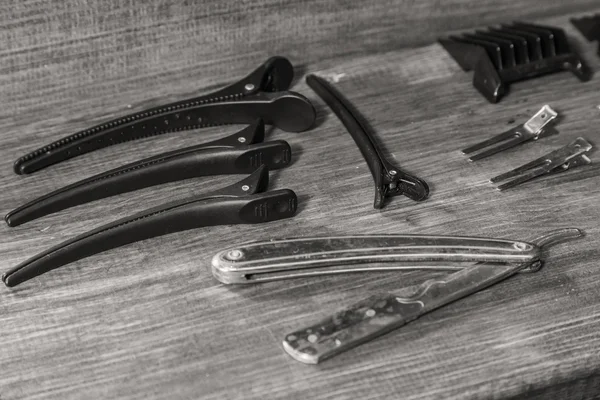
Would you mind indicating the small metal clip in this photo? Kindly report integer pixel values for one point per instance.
(533, 129)
(568, 157)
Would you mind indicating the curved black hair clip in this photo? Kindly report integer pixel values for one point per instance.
(262, 94)
(240, 153)
(245, 202)
(510, 53)
(389, 179)
(589, 26)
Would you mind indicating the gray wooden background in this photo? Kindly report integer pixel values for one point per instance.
(149, 321)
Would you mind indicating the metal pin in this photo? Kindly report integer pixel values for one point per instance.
(235, 254)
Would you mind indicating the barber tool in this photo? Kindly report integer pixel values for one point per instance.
(259, 95)
(240, 153)
(246, 202)
(476, 262)
(278, 259)
(514, 52)
(589, 26)
(572, 155)
(535, 128)
(389, 179)
(382, 313)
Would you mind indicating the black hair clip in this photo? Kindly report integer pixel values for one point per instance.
(262, 94)
(240, 153)
(246, 202)
(389, 179)
(510, 53)
(589, 27)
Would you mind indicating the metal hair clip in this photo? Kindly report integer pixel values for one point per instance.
(589, 27)
(568, 157)
(389, 179)
(533, 129)
(382, 313)
(261, 95)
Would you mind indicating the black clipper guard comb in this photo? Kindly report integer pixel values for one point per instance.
(510, 53)
(589, 26)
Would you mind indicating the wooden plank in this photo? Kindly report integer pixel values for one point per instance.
(74, 55)
(148, 320)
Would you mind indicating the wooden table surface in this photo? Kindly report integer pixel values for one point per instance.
(149, 321)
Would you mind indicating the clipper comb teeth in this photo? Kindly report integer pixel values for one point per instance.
(510, 53)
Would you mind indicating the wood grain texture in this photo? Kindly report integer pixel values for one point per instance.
(149, 321)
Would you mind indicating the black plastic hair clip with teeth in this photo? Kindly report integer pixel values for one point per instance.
(589, 26)
(389, 179)
(246, 202)
(510, 53)
(536, 127)
(240, 153)
(261, 95)
(566, 158)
